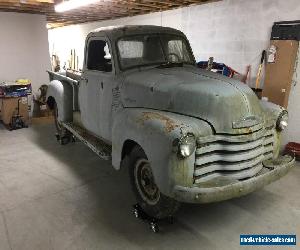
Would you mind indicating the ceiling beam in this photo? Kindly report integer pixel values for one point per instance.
(103, 10)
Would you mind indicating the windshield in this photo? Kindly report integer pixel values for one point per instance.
(144, 50)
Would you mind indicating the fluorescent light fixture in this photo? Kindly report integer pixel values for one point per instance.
(73, 4)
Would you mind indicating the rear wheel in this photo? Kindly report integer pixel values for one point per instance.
(147, 193)
(58, 125)
(63, 136)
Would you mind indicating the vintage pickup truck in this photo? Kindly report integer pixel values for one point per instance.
(185, 134)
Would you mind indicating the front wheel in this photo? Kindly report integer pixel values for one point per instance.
(148, 195)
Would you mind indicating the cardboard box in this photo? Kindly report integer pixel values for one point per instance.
(9, 107)
(41, 109)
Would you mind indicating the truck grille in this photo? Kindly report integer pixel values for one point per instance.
(234, 156)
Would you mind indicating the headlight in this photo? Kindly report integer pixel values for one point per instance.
(187, 145)
(283, 120)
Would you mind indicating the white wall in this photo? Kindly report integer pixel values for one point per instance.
(292, 134)
(62, 40)
(233, 31)
(24, 49)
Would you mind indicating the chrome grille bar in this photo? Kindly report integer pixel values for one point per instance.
(234, 156)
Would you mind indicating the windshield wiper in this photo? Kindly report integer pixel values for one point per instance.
(170, 64)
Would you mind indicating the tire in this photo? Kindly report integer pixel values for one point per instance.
(63, 136)
(58, 126)
(148, 196)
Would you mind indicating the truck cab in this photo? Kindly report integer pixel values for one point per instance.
(185, 134)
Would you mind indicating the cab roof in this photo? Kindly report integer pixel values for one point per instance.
(115, 32)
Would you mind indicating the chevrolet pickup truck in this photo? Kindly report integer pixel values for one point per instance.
(185, 134)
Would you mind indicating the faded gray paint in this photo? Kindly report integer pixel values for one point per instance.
(218, 100)
(154, 107)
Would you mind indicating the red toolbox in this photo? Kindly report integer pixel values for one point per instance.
(293, 148)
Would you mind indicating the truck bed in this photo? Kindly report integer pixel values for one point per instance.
(73, 74)
(68, 76)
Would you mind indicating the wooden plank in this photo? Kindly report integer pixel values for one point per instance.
(279, 74)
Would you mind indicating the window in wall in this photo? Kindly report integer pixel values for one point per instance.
(99, 57)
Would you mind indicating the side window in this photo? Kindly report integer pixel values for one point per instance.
(178, 49)
(131, 49)
(99, 57)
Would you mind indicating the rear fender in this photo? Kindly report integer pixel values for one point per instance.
(62, 93)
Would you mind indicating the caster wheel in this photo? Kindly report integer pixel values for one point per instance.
(64, 140)
(136, 213)
(57, 137)
(154, 227)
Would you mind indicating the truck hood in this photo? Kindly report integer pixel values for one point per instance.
(228, 105)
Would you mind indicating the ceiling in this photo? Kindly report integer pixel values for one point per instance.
(104, 10)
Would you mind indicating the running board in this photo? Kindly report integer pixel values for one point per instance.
(101, 148)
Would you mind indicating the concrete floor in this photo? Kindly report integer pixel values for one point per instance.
(65, 197)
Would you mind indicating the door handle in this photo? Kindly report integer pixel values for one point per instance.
(101, 85)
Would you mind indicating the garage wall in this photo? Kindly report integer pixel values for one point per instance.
(24, 48)
(292, 134)
(62, 40)
(233, 31)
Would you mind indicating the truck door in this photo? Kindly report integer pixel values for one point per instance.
(95, 91)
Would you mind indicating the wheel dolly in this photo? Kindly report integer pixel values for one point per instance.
(63, 140)
(153, 222)
(137, 209)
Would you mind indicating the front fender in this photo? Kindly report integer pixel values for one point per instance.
(271, 111)
(62, 93)
(155, 131)
(271, 114)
